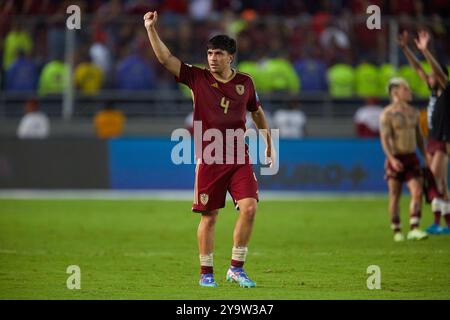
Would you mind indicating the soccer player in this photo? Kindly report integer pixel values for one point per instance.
(222, 96)
(438, 125)
(400, 135)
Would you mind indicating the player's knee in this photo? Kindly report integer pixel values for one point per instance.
(394, 195)
(209, 220)
(416, 194)
(249, 211)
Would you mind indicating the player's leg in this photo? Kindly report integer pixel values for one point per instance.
(205, 239)
(209, 196)
(415, 208)
(445, 182)
(241, 237)
(395, 191)
(244, 190)
(438, 166)
(205, 232)
(446, 207)
(434, 197)
(244, 225)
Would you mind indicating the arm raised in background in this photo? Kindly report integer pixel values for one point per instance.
(165, 57)
(422, 44)
(412, 59)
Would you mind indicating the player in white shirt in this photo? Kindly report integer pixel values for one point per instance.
(34, 124)
(291, 122)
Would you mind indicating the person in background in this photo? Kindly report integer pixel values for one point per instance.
(35, 124)
(291, 121)
(102, 56)
(367, 119)
(133, 71)
(22, 75)
(88, 76)
(438, 124)
(53, 78)
(400, 137)
(18, 39)
(109, 122)
(312, 71)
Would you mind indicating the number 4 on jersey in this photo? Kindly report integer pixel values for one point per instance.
(224, 103)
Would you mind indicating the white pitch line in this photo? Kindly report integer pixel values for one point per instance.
(174, 195)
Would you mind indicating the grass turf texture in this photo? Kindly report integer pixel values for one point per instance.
(147, 250)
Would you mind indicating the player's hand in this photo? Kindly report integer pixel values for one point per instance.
(270, 157)
(396, 164)
(150, 19)
(402, 39)
(422, 40)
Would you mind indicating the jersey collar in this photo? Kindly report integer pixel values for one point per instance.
(221, 81)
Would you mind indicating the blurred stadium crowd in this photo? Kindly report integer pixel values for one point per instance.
(287, 45)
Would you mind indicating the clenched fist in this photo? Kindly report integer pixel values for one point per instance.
(150, 19)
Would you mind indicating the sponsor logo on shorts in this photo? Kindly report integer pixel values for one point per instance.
(204, 198)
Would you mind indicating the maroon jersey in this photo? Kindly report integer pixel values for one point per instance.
(219, 105)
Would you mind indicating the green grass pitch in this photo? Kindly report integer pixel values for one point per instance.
(138, 249)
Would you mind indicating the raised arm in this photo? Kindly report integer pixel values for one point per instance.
(412, 59)
(422, 44)
(163, 54)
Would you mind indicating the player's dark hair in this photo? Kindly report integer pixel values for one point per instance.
(222, 42)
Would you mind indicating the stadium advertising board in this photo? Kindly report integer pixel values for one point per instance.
(321, 165)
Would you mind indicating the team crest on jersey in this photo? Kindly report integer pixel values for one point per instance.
(240, 89)
(204, 198)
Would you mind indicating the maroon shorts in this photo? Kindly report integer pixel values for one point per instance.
(212, 181)
(411, 168)
(435, 145)
(429, 186)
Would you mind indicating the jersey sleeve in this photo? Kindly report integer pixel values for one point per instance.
(253, 102)
(189, 74)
